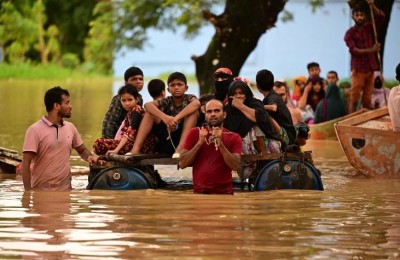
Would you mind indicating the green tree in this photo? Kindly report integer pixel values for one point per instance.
(45, 29)
(19, 30)
(48, 43)
(23, 26)
(99, 45)
(72, 18)
(237, 28)
(53, 44)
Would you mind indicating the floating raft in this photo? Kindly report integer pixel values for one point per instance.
(273, 171)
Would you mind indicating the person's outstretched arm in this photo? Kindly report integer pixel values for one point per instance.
(85, 154)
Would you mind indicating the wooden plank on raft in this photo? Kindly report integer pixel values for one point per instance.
(9, 160)
(142, 159)
(10, 154)
(162, 159)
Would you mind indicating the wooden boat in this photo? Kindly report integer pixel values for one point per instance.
(10, 162)
(370, 144)
(273, 171)
(326, 130)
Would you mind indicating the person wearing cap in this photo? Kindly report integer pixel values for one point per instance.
(363, 49)
(394, 103)
(223, 77)
(116, 113)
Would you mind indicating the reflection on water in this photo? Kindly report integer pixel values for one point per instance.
(353, 218)
(360, 220)
(22, 103)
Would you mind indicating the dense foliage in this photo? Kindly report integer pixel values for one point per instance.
(51, 31)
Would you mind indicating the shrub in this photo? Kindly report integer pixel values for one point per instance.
(70, 60)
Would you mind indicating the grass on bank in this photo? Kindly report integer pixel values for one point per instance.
(56, 72)
(50, 71)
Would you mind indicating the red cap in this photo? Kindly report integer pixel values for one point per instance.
(223, 70)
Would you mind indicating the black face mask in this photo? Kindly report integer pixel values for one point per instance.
(378, 83)
(221, 89)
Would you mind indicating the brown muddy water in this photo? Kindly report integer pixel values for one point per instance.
(353, 218)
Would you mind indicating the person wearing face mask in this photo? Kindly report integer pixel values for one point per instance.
(380, 91)
(223, 77)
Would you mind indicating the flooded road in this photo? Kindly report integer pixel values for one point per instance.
(353, 218)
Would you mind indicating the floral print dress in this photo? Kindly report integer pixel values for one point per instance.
(128, 129)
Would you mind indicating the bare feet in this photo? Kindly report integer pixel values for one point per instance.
(134, 151)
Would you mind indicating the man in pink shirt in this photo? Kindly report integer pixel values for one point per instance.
(48, 144)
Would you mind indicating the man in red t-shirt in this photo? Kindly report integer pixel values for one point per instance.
(213, 151)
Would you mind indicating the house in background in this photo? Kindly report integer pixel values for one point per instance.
(285, 49)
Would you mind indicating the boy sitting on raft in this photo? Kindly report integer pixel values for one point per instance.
(169, 118)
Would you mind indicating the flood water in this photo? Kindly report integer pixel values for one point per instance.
(354, 218)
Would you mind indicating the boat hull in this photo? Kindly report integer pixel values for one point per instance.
(370, 144)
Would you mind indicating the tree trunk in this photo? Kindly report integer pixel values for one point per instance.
(386, 6)
(237, 31)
